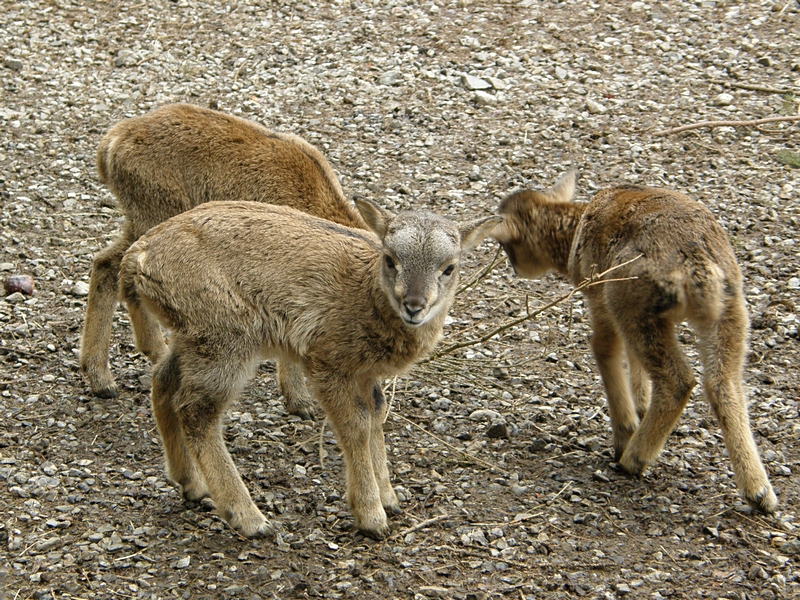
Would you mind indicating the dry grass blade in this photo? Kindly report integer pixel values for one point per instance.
(321, 442)
(391, 398)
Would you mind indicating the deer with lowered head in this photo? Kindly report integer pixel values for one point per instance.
(238, 282)
(172, 159)
(686, 270)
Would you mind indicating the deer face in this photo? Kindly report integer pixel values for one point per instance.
(421, 256)
(420, 267)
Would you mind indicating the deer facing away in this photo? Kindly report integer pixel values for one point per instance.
(176, 157)
(687, 271)
(238, 282)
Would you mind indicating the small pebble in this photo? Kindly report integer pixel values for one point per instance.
(595, 108)
(12, 63)
(484, 98)
(484, 414)
(497, 430)
(475, 83)
(23, 284)
(80, 289)
(723, 99)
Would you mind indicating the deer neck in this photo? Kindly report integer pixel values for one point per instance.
(559, 224)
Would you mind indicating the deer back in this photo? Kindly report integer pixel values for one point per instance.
(179, 156)
(260, 277)
(685, 255)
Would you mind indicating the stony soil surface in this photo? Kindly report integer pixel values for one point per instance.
(500, 451)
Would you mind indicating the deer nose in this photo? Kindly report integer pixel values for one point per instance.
(413, 306)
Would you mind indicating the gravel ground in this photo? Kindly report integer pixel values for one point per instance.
(501, 450)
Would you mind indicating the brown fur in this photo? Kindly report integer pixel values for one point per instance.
(238, 282)
(173, 159)
(687, 272)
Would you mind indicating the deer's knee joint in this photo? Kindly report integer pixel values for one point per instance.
(167, 373)
(377, 395)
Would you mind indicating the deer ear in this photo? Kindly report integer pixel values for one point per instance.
(564, 188)
(376, 217)
(472, 232)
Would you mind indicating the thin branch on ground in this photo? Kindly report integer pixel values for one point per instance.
(591, 282)
(750, 123)
(482, 274)
(752, 87)
(418, 526)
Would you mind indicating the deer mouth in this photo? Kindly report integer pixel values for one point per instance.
(412, 321)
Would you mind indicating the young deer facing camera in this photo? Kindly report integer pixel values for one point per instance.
(687, 271)
(238, 282)
(173, 159)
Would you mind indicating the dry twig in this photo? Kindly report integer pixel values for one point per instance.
(483, 273)
(594, 280)
(418, 526)
(752, 87)
(725, 124)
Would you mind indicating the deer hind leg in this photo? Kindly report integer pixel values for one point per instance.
(100, 306)
(722, 347)
(607, 349)
(652, 339)
(200, 403)
(351, 411)
(181, 466)
(380, 465)
(292, 383)
(147, 333)
(641, 386)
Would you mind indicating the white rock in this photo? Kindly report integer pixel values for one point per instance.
(484, 99)
(595, 107)
(81, 288)
(15, 298)
(391, 78)
(484, 414)
(496, 83)
(724, 99)
(475, 83)
(794, 283)
(561, 73)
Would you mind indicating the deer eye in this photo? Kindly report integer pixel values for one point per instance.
(449, 270)
(389, 262)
